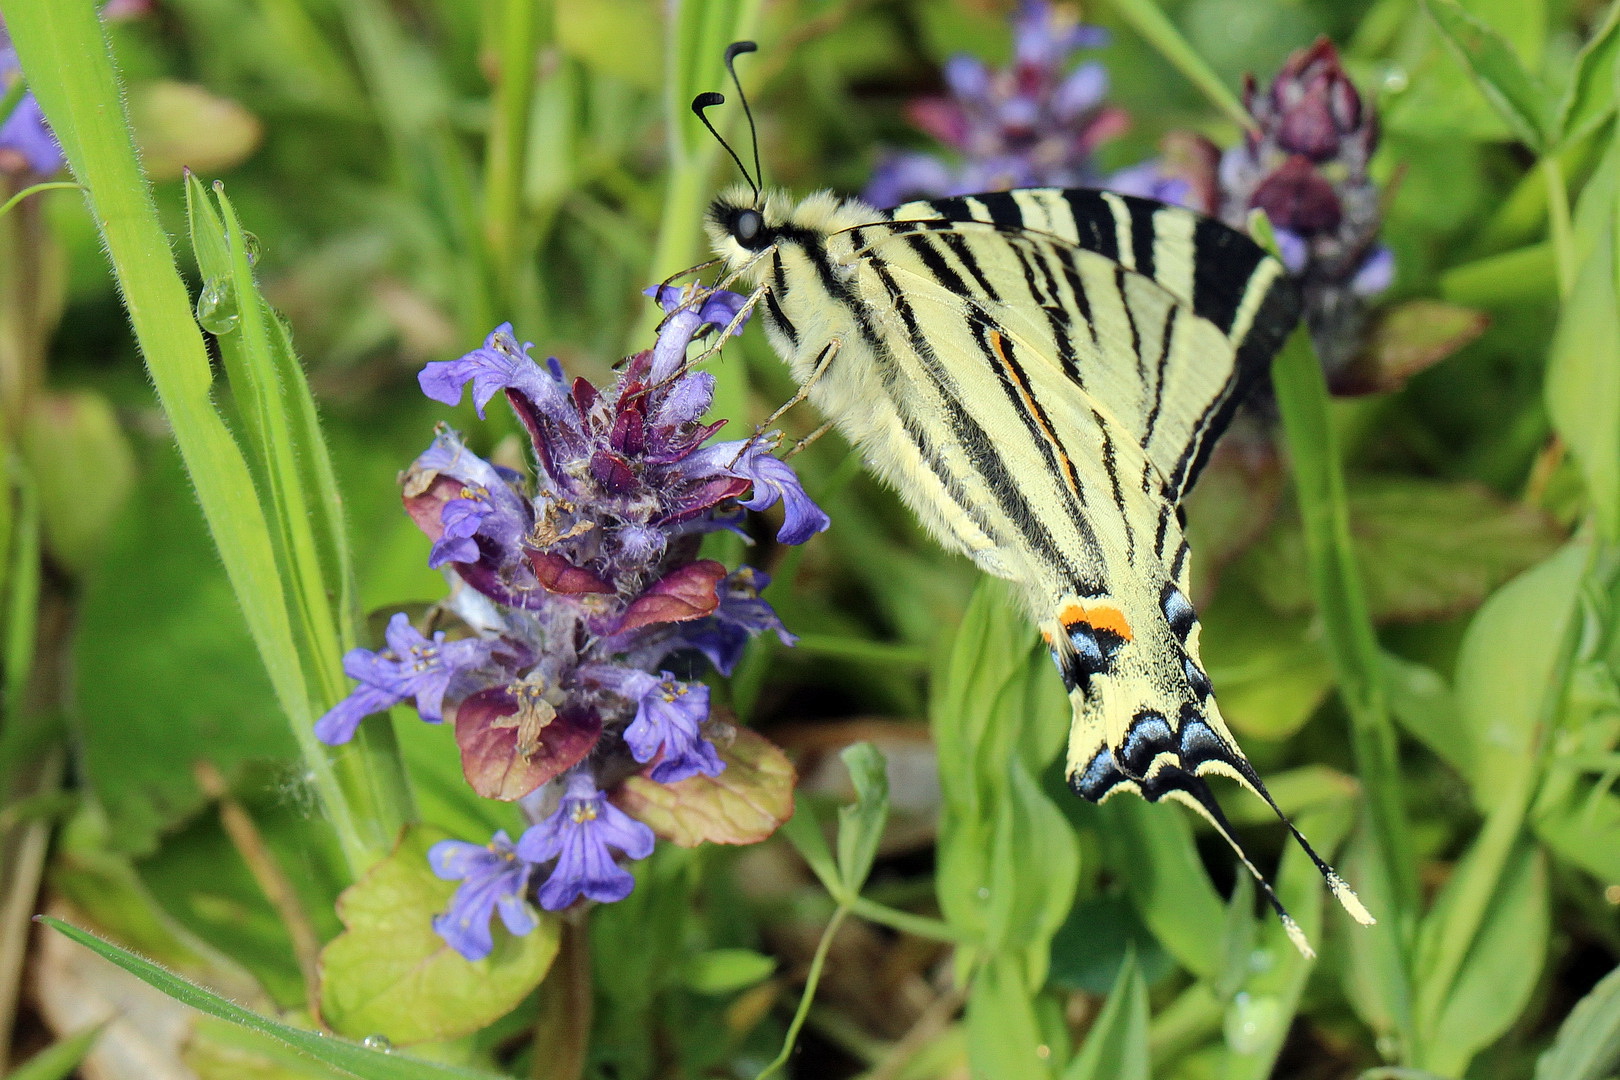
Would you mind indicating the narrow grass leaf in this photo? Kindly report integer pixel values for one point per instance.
(85, 109)
(1149, 20)
(1498, 975)
(352, 1058)
(1153, 851)
(1588, 100)
(59, 1060)
(1510, 89)
(1116, 1047)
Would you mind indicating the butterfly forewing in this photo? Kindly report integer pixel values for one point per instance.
(1041, 374)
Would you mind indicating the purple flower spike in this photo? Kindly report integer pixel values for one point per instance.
(1305, 164)
(493, 878)
(502, 364)
(412, 666)
(580, 836)
(669, 719)
(1032, 123)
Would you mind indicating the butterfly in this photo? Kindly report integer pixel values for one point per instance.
(1041, 374)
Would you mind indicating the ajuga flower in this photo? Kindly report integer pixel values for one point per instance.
(1029, 124)
(572, 593)
(27, 147)
(1305, 164)
(493, 877)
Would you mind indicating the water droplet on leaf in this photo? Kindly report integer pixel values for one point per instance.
(377, 1042)
(216, 307)
(1252, 1023)
(250, 247)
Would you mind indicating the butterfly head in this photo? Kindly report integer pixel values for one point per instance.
(743, 225)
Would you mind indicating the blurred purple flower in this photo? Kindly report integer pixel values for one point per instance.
(1028, 124)
(1305, 164)
(493, 877)
(582, 835)
(27, 146)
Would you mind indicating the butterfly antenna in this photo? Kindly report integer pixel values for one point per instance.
(734, 50)
(708, 100)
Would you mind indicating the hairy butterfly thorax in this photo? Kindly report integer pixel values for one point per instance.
(1041, 374)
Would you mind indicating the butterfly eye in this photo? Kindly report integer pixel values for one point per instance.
(749, 225)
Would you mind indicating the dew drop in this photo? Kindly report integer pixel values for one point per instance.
(984, 892)
(250, 247)
(216, 307)
(1395, 79)
(377, 1042)
(1252, 1023)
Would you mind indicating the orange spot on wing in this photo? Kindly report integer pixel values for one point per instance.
(1098, 617)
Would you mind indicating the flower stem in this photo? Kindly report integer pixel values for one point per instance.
(805, 999)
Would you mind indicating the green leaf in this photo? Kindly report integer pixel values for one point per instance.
(1510, 89)
(1587, 1046)
(58, 1060)
(1151, 848)
(1583, 368)
(860, 824)
(1426, 549)
(1501, 968)
(1034, 869)
(1405, 338)
(389, 973)
(1003, 1033)
(1116, 1048)
(1508, 656)
(352, 1058)
(1271, 673)
(1588, 100)
(743, 805)
(725, 971)
(84, 470)
(1149, 20)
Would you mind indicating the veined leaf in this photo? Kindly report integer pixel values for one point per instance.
(1589, 98)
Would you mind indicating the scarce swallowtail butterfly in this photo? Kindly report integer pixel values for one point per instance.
(1041, 374)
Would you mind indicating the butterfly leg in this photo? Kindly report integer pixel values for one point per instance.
(804, 443)
(823, 362)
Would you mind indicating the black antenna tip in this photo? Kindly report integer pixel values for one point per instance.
(707, 100)
(737, 48)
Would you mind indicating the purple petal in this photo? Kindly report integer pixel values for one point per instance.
(502, 364)
(1377, 273)
(338, 725)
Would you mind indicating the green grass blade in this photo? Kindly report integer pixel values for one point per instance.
(59, 1060)
(1149, 20)
(1512, 91)
(351, 1058)
(85, 108)
(1352, 644)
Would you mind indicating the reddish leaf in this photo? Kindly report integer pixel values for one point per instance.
(686, 593)
(1403, 340)
(558, 575)
(507, 752)
(743, 805)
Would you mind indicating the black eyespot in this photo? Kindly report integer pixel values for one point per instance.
(749, 225)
